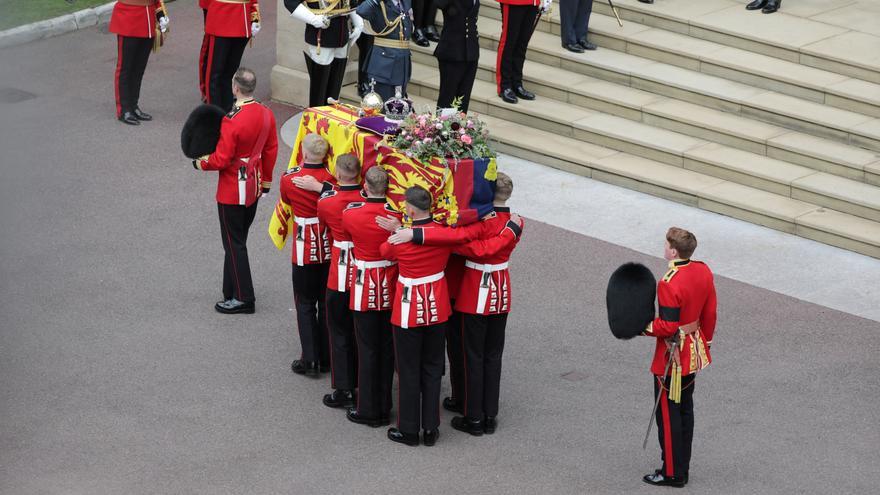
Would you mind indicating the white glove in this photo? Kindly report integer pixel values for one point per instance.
(357, 25)
(163, 24)
(302, 13)
(255, 28)
(545, 5)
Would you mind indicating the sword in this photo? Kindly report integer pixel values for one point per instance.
(614, 10)
(660, 392)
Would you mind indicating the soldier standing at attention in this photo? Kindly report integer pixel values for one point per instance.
(230, 25)
(458, 52)
(245, 157)
(685, 294)
(518, 21)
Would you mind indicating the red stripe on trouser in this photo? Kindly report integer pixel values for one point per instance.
(208, 63)
(505, 17)
(464, 409)
(231, 254)
(116, 78)
(667, 434)
(203, 62)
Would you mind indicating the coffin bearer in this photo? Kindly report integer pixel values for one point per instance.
(139, 26)
(686, 294)
(388, 62)
(518, 21)
(311, 257)
(372, 289)
(327, 40)
(230, 24)
(574, 16)
(458, 52)
(245, 157)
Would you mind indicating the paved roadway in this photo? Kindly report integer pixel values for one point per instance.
(118, 377)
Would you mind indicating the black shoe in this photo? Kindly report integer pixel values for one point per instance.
(586, 45)
(432, 34)
(524, 93)
(429, 437)
(467, 425)
(339, 398)
(659, 479)
(354, 417)
(647, 1)
(140, 115)
(452, 404)
(301, 367)
(419, 38)
(772, 6)
(509, 96)
(234, 306)
(489, 425)
(395, 435)
(573, 47)
(129, 118)
(756, 5)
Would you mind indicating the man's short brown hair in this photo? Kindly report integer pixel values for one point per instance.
(246, 80)
(419, 198)
(315, 145)
(503, 187)
(682, 241)
(349, 165)
(377, 181)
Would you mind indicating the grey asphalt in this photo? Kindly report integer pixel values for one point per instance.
(117, 377)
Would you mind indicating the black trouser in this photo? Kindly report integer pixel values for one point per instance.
(224, 57)
(418, 355)
(483, 337)
(518, 24)
(235, 221)
(574, 16)
(455, 354)
(131, 62)
(375, 350)
(324, 80)
(456, 79)
(365, 44)
(343, 348)
(424, 13)
(675, 426)
(203, 59)
(309, 288)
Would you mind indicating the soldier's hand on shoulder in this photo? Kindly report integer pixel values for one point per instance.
(307, 182)
(388, 223)
(402, 236)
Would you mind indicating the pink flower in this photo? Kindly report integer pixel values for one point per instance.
(466, 139)
(470, 124)
(427, 140)
(438, 125)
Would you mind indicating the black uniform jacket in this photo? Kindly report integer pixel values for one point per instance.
(459, 41)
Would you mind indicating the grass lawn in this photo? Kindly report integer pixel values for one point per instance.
(17, 12)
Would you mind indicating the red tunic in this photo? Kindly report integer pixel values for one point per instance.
(312, 242)
(231, 18)
(534, 3)
(204, 4)
(485, 284)
(422, 297)
(685, 294)
(135, 18)
(330, 207)
(372, 277)
(238, 135)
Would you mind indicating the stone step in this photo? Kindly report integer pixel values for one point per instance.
(833, 47)
(677, 183)
(702, 89)
(673, 148)
(716, 59)
(680, 116)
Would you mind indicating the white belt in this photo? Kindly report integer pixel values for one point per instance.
(485, 280)
(359, 280)
(405, 302)
(306, 220)
(342, 265)
(485, 267)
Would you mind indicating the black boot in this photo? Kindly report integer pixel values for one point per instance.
(452, 404)
(772, 6)
(508, 95)
(756, 5)
(659, 479)
(419, 38)
(467, 425)
(130, 119)
(395, 435)
(141, 115)
(524, 93)
(339, 398)
(355, 417)
(489, 425)
(432, 34)
(308, 368)
(234, 306)
(429, 437)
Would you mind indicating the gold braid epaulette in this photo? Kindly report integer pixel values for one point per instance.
(331, 9)
(390, 25)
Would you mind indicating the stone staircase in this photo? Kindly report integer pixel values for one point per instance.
(779, 135)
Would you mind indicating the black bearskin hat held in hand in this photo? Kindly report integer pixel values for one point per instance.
(630, 300)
